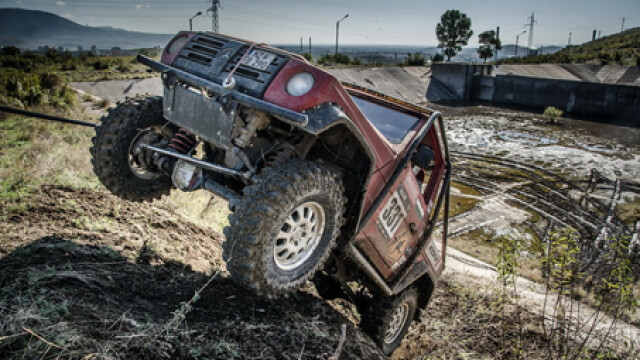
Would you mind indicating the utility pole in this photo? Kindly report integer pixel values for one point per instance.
(309, 44)
(593, 36)
(622, 27)
(497, 38)
(569, 43)
(518, 38)
(301, 45)
(531, 22)
(191, 20)
(215, 25)
(338, 31)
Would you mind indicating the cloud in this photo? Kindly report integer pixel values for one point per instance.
(142, 6)
(61, 3)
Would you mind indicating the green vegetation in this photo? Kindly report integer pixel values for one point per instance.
(85, 67)
(563, 315)
(26, 89)
(414, 60)
(618, 49)
(453, 31)
(489, 44)
(437, 58)
(35, 152)
(307, 56)
(552, 114)
(338, 59)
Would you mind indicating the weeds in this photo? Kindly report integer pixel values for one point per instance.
(571, 329)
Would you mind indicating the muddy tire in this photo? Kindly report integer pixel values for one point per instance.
(284, 227)
(125, 175)
(387, 319)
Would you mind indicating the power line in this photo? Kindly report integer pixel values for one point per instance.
(531, 22)
(215, 6)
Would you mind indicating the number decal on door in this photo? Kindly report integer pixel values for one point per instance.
(393, 213)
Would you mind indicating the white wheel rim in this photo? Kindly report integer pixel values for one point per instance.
(299, 236)
(397, 323)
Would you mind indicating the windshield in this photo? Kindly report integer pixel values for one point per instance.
(394, 125)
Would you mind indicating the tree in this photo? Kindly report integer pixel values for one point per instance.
(437, 58)
(453, 31)
(489, 43)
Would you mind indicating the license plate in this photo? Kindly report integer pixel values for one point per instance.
(258, 59)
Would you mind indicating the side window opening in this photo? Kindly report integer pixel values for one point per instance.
(393, 124)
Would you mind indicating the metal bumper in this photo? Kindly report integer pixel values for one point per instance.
(213, 89)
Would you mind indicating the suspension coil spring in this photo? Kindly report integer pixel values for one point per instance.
(183, 141)
(281, 154)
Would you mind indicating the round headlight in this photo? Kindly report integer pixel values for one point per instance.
(300, 84)
(177, 44)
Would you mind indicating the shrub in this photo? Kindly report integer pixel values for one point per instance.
(415, 60)
(51, 81)
(334, 59)
(552, 114)
(101, 64)
(307, 56)
(437, 58)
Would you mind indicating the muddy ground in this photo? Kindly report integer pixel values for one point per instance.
(84, 274)
(106, 291)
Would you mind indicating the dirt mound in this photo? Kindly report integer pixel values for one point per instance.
(84, 274)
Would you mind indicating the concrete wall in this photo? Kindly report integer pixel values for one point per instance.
(615, 102)
(450, 82)
(458, 82)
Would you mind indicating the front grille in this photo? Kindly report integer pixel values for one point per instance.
(212, 57)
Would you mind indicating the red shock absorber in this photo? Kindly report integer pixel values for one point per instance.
(183, 141)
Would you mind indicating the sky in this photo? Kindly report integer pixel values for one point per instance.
(370, 22)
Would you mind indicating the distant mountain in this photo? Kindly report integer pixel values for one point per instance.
(29, 29)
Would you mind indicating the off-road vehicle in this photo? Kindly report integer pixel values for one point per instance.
(326, 181)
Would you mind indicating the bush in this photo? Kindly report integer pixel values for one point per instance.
(415, 60)
(552, 114)
(10, 50)
(437, 58)
(101, 64)
(307, 56)
(51, 81)
(335, 59)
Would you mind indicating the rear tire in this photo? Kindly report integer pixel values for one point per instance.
(284, 227)
(124, 174)
(387, 319)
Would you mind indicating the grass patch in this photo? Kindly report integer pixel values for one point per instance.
(34, 152)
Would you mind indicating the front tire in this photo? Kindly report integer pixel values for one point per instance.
(128, 175)
(284, 227)
(387, 319)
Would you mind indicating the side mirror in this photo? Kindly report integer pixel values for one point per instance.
(423, 157)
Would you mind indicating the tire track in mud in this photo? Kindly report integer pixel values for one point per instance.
(561, 202)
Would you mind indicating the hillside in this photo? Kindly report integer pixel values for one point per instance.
(30, 29)
(617, 49)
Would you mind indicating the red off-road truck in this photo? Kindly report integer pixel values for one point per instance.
(326, 181)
